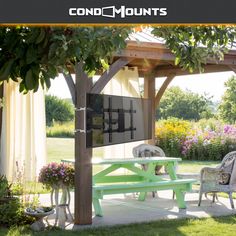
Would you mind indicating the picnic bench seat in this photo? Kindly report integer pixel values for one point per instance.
(178, 185)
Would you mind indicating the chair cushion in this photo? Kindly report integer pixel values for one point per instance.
(224, 178)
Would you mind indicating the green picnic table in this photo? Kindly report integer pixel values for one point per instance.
(106, 182)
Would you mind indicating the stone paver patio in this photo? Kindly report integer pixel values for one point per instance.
(125, 209)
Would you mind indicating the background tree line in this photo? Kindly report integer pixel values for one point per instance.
(182, 104)
(188, 105)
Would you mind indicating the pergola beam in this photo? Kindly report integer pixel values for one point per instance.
(148, 54)
(158, 51)
(168, 56)
(107, 75)
(162, 71)
(71, 86)
(162, 89)
(233, 68)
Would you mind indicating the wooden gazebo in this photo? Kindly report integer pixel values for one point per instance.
(153, 60)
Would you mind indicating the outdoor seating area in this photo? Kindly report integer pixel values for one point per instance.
(125, 209)
(112, 153)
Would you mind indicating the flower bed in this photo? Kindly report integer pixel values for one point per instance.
(204, 140)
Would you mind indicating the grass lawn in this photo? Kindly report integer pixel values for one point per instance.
(63, 148)
(59, 148)
(190, 227)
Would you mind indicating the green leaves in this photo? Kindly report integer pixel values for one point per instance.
(184, 104)
(31, 55)
(36, 54)
(192, 46)
(6, 70)
(41, 36)
(29, 80)
(227, 108)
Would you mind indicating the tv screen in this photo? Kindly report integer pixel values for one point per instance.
(117, 119)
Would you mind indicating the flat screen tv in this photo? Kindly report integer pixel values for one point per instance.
(117, 119)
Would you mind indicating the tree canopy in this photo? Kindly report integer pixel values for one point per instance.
(193, 45)
(184, 105)
(38, 54)
(227, 108)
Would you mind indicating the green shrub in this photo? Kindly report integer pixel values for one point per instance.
(3, 186)
(171, 133)
(210, 124)
(17, 188)
(58, 110)
(12, 213)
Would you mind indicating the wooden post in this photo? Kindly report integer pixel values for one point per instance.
(150, 92)
(1, 96)
(83, 155)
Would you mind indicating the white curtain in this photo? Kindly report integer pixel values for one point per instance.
(124, 83)
(23, 139)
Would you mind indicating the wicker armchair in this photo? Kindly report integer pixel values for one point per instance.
(219, 179)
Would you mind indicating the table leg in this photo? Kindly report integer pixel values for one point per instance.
(142, 196)
(97, 207)
(179, 193)
(149, 171)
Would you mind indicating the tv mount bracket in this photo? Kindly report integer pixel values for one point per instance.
(120, 121)
(83, 109)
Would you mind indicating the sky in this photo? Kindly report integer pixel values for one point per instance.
(210, 83)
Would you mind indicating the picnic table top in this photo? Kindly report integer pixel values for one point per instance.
(144, 160)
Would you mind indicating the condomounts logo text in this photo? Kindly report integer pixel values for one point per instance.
(112, 11)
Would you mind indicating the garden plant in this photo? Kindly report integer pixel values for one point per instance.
(206, 140)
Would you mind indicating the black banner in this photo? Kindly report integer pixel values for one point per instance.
(111, 11)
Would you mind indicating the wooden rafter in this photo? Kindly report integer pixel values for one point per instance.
(147, 54)
(233, 68)
(158, 51)
(162, 71)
